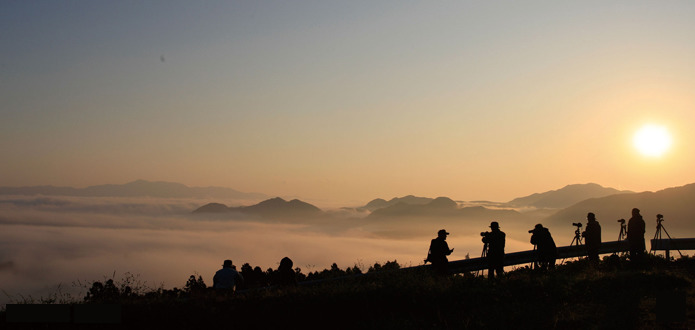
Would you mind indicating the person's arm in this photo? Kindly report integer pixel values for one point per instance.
(446, 246)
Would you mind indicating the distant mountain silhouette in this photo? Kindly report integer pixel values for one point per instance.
(274, 207)
(567, 196)
(676, 204)
(139, 188)
(380, 203)
(213, 208)
(439, 206)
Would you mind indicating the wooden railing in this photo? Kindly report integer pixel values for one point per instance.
(564, 252)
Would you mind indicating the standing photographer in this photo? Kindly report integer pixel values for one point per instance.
(635, 235)
(545, 247)
(495, 240)
(437, 253)
(592, 234)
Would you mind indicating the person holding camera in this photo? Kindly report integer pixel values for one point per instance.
(546, 250)
(635, 235)
(437, 253)
(494, 240)
(592, 236)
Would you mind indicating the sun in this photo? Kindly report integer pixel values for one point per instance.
(652, 140)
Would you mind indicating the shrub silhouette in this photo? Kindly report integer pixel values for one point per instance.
(107, 293)
(194, 285)
(389, 265)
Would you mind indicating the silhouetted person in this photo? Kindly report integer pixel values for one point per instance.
(545, 247)
(635, 235)
(495, 240)
(227, 278)
(592, 236)
(286, 275)
(439, 249)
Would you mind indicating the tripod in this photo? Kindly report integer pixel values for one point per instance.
(622, 235)
(577, 240)
(482, 258)
(623, 230)
(657, 235)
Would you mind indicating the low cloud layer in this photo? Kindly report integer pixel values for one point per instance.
(58, 241)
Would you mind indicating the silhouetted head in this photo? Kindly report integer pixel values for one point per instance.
(635, 212)
(286, 263)
(538, 226)
(442, 233)
(227, 264)
(591, 216)
(494, 225)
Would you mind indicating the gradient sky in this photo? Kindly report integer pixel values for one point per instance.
(346, 101)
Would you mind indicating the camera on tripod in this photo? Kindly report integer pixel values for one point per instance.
(484, 234)
(659, 218)
(622, 221)
(577, 224)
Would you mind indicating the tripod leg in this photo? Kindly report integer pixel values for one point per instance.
(657, 239)
(673, 243)
(482, 258)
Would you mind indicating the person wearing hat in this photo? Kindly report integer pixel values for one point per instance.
(546, 250)
(437, 253)
(494, 240)
(635, 235)
(227, 278)
(592, 234)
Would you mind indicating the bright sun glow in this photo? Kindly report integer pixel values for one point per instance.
(652, 140)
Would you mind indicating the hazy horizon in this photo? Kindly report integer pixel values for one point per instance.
(321, 203)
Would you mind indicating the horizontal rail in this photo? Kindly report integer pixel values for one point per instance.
(524, 257)
(673, 244)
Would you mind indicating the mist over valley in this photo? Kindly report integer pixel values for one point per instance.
(47, 240)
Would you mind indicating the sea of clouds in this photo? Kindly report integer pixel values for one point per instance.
(52, 245)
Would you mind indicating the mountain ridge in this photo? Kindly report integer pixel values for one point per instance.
(274, 207)
(565, 196)
(674, 203)
(137, 188)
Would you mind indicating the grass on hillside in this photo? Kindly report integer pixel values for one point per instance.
(613, 294)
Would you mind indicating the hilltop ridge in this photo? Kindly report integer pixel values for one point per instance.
(565, 196)
(137, 188)
(274, 207)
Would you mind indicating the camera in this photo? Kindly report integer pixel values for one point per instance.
(659, 218)
(532, 231)
(621, 220)
(485, 233)
(577, 224)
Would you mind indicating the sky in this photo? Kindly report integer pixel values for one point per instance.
(347, 101)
